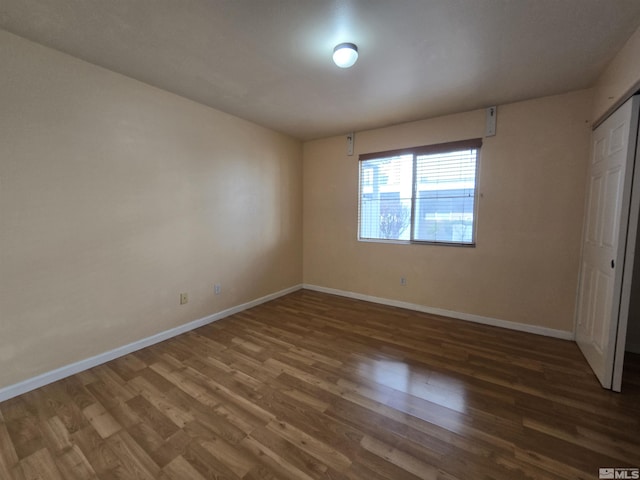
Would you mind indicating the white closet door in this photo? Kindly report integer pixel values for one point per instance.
(604, 238)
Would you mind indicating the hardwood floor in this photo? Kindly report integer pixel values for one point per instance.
(313, 386)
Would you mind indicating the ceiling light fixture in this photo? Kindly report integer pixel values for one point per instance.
(345, 55)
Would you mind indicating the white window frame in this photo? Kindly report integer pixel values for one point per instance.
(441, 148)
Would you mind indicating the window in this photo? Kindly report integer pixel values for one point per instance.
(423, 194)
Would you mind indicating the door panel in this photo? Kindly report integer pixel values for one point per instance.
(610, 223)
(603, 247)
(593, 211)
(602, 304)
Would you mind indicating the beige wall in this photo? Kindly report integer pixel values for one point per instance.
(621, 75)
(525, 266)
(116, 196)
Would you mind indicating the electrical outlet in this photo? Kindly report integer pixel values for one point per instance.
(403, 281)
(217, 288)
(184, 298)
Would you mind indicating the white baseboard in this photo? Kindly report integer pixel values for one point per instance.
(73, 368)
(633, 348)
(495, 322)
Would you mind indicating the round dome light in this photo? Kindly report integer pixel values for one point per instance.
(345, 55)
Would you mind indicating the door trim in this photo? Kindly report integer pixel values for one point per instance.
(629, 248)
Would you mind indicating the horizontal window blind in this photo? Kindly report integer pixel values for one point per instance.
(445, 196)
(425, 194)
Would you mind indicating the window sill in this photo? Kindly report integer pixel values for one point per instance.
(417, 242)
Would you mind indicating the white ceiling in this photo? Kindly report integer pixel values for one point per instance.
(269, 61)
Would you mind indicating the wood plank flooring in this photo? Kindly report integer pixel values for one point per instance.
(314, 386)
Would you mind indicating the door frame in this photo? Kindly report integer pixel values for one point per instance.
(633, 216)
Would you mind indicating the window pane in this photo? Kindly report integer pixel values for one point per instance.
(385, 198)
(445, 196)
